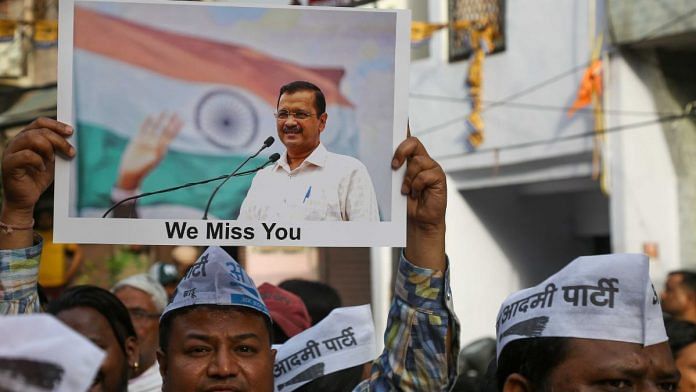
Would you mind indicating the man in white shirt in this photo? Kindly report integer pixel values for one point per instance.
(145, 300)
(309, 182)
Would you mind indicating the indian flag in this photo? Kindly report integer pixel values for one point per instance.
(224, 93)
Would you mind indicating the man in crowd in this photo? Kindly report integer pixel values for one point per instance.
(319, 298)
(309, 182)
(145, 300)
(679, 295)
(596, 325)
(210, 341)
(682, 342)
(287, 310)
(98, 315)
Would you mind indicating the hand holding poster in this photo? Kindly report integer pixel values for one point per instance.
(167, 94)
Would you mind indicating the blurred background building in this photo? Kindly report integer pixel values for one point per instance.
(531, 186)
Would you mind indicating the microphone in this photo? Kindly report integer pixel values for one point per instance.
(267, 143)
(272, 159)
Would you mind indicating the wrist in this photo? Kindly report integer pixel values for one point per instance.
(20, 217)
(425, 245)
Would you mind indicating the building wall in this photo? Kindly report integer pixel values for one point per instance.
(498, 240)
(545, 39)
(645, 200)
(666, 22)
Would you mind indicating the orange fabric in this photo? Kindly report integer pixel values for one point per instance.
(591, 83)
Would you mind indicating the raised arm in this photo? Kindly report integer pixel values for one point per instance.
(28, 165)
(426, 188)
(421, 340)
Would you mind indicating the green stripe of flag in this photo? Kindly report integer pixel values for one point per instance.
(99, 157)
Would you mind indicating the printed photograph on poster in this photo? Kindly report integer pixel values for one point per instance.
(206, 123)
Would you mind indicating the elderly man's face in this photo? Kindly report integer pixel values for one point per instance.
(300, 136)
(602, 365)
(218, 349)
(145, 317)
(675, 297)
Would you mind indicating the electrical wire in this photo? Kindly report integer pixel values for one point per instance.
(559, 76)
(617, 128)
(542, 107)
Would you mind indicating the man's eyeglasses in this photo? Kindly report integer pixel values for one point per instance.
(141, 314)
(300, 115)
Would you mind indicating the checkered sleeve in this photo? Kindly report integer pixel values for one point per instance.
(415, 356)
(19, 274)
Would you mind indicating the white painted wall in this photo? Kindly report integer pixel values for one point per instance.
(481, 274)
(644, 204)
(544, 39)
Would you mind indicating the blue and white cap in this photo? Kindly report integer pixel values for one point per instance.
(216, 279)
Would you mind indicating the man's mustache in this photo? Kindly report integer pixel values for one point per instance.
(294, 129)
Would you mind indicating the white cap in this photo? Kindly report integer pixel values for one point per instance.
(606, 297)
(217, 279)
(146, 283)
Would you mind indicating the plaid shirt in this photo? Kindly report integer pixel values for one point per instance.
(414, 357)
(19, 275)
(415, 354)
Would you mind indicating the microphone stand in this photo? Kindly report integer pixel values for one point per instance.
(190, 184)
(266, 144)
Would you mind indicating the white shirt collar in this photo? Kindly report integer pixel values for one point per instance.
(317, 158)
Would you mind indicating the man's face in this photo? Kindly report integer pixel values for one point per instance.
(218, 349)
(602, 365)
(113, 373)
(145, 317)
(675, 297)
(300, 136)
(686, 363)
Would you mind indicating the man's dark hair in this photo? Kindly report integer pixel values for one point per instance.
(532, 358)
(103, 302)
(680, 333)
(319, 298)
(165, 325)
(688, 278)
(301, 85)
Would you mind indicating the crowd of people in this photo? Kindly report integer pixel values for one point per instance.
(595, 325)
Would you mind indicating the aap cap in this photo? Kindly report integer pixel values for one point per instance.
(216, 279)
(606, 297)
(43, 354)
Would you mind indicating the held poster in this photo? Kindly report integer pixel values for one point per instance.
(167, 94)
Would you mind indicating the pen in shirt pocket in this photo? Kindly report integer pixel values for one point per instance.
(306, 196)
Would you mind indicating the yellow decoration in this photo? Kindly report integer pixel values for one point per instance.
(7, 28)
(481, 41)
(46, 31)
(423, 30)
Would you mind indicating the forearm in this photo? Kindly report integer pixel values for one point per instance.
(422, 333)
(425, 246)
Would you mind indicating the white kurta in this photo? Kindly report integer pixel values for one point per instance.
(325, 187)
(149, 381)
